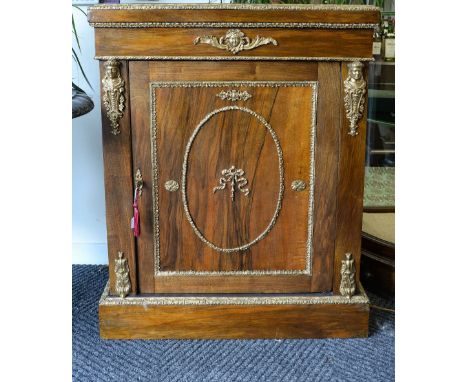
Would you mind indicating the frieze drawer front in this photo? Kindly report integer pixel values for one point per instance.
(227, 44)
(234, 161)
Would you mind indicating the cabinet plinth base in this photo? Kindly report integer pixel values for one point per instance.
(233, 316)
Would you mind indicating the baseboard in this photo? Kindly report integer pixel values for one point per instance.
(227, 316)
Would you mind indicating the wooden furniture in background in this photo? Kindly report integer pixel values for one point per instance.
(241, 129)
(378, 253)
(378, 228)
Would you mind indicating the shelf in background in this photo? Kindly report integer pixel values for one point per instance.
(380, 62)
(381, 93)
(380, 122)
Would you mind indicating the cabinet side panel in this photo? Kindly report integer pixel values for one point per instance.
(139, 93)
(118, 181)
(328, 126)
(350, 189)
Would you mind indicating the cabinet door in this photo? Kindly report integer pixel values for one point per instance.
(228, 158)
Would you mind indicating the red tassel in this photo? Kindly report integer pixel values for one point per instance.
(136, 216)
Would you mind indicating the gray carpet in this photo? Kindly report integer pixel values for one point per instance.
(369, 359)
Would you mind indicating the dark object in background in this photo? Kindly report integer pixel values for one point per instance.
(81, 102)
(378, 265)
(380, 149)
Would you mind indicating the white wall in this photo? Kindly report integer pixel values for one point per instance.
(89, 241)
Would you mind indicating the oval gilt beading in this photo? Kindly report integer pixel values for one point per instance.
(184, 179)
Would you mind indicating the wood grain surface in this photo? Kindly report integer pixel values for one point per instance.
(326, 178)
(350, 190)
(233, 138)
(234, 321)
(223, 222)
(118, 181)
(234, 15)
(142, 161)
(180, 42)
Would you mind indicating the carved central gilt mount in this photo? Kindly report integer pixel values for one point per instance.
(234, 176)
(234, 95)
(234, 41)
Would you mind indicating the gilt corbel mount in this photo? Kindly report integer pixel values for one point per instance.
(354, 96)
(348, 276)
(113, 90)
(122, 277)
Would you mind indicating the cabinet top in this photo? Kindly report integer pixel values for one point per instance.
(317, 15)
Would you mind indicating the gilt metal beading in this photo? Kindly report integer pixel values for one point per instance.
(280, 170)
(155, 164)
(184, 300)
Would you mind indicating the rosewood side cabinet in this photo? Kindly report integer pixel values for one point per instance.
(234, 143)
